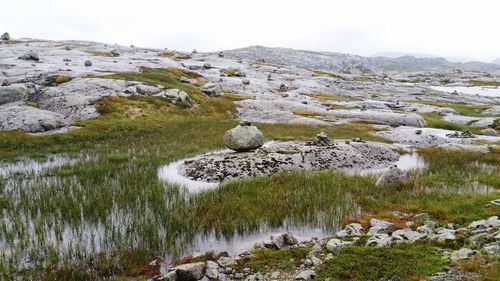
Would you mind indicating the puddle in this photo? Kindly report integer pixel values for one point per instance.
(32, 167)
(481, 91)
(406, 162)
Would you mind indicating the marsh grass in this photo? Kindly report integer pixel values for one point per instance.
(473, 110)
(114, 215)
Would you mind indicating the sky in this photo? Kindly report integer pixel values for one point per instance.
(465, 29)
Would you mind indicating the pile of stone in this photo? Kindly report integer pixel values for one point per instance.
(461, 135)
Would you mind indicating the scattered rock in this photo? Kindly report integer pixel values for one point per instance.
(226, 262)
(245, 82)
(492, 249)
(421, 218)
(88, 63)
(190, 271)
(306, 275)
(384, 225)
(207, 66)
(30, 56)
(379, 240)
(461, 135)
(334, 244)
(176, 96)
(462, 254)
(211, 89)
(147, 90)
(351, 230)
(244, 137)
(185, 80)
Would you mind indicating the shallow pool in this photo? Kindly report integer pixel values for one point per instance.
(481, 91)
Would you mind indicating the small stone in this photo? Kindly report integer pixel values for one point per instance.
(185, 80)
(379, 240)
(462, 254)
(306, 275)
(245, 82)
(211, 89)
(212, 270)
(334, 244)
(492, 249)
(115, 53)
(421, 218)
(226, 261)
(207, 66)
(88, 63)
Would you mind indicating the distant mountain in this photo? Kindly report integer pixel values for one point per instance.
(421, 55)
(352, 63)
(497, 61)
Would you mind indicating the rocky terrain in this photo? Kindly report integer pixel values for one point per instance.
(482, 235)
(50, 88)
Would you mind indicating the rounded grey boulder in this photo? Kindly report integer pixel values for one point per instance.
(391, 177)
(5, 36)
(243, 137)
(88, 63)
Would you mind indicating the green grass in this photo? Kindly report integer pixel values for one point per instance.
(268, 260)
(100, 53)
(484, 83)
(473, 110)
(332, 97)
(435, 120)
(407, 261)
(231, 72)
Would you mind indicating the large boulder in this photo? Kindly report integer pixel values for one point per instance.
(13, 93)
(391, 177)
(5, 36)
(211, 89)
(30, 119)
(244, 137)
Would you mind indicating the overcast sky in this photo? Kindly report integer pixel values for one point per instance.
(442, 27)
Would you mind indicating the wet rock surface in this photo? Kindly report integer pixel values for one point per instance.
(289, 156)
